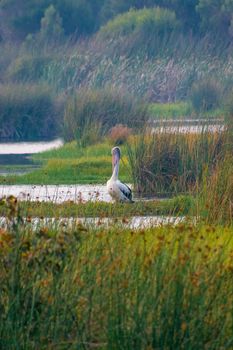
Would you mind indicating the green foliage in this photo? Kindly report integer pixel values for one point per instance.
(103, 108)
(169, 110)
(180, 205)
(22, 18)
(186, 13)
(27, 112)
(51, 25)
(83, 17)
(206, 95)
(74, 286)
(216, 16)
(144, 29)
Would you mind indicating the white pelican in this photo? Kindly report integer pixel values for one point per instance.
(118, 191)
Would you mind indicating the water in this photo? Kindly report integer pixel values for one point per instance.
(29, 147)
(193, 129)
(15, 157)
(134, 222)
(193, 126)
(56, 193)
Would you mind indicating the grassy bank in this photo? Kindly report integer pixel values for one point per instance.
(73, 164)
(116, 288)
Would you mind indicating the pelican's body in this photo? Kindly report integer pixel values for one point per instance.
(119, 191)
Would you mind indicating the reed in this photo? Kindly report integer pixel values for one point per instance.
(90, 114)
(171, 162)
(28, 111)
(74, 287)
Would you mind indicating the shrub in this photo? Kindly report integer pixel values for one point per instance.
(28, 112)
(147, 29)
(205, 95)
(156, 19)
(119, 134)
(102, 107)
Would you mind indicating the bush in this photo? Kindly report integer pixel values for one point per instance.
(105, 108)
(147, 29)
(156, 19)
(205, 95)
(28, 112)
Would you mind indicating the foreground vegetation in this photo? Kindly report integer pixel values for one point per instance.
(68, 287)
(180, 205)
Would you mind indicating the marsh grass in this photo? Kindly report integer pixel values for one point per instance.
(216, 193)
(91, 113)
(28, 111)
(169, 110)
(166, 162)
(115, 288)
(180, 205)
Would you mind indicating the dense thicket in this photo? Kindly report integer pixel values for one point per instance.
(19, 18)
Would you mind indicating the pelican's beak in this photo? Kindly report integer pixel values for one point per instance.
(115, 156)
(114, 160)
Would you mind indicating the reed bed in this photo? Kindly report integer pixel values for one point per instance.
(69, 288)
(172, 162)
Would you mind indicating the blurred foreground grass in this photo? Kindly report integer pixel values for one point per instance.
(114, 288)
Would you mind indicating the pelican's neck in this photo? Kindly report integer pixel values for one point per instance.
(115, 171)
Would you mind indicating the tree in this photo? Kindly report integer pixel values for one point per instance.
(51, 25)
(216, 16)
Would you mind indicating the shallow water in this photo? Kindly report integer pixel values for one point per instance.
(62, 193)
(15, 157)
(57, 193)
(29, 147)
(185, 129)
(135, 222)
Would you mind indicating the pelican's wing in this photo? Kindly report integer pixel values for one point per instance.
(126, 191)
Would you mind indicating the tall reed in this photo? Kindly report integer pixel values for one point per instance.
(171, 162)
(73, 287)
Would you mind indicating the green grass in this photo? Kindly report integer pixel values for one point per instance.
(114, 288)
(71, 164)
(180, 110)
(169, 110)
(180, 205)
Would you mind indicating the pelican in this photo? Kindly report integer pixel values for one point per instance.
(119, 191)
